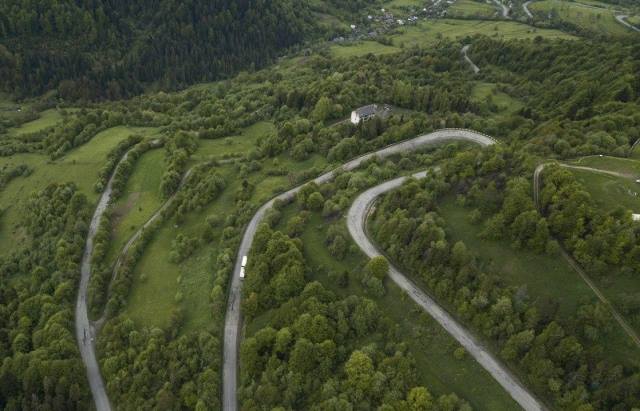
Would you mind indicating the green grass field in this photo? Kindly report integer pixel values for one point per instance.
(610, 192)
(428, 33)
(546, 278)
(628, 166)
(151, 301)
(588, 18)
(80, 166)
(48, 118)
(502, 101)
(361, 48)
(140, 199)
(402, 5)
(430, 345)
(471, 8)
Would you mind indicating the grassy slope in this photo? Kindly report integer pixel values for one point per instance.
(617, 164)
(80, 166)
(430, 345)
(362, 48)
(427, 33)
(588, 18)
(401, 5)
(48, 118)
(610, 191)
(544, 276)
(140, 199)
(468, 8)
(152, 299)
(504, 102)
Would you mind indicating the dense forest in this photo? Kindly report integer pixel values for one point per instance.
(41, 365)
(110, 49)
(312, 355)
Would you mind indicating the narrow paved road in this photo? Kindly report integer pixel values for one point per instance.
(623, 20)
(233, 319)
(356, 220)
(574, 264)
(525, 7)
(505, 9)
(475, 68)
(85, 332)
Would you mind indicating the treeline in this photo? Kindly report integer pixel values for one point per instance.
(560, 356)
(316, 341)
(93, 50)
(8, 174)
(177, 153)
(603, 242)
(580, 100)
(41, 366)
(205, 183)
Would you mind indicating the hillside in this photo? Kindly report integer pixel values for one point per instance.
(111, 49)
(193, 218)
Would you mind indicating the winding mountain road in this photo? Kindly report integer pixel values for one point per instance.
(356, 220)
(525, 7)
(573, 263)
(233, 319)
(464, 51)
(85, 332)
(505, 9)
(623, 20)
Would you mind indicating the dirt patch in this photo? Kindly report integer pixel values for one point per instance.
(120, 212)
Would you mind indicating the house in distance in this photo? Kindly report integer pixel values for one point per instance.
(364, 113)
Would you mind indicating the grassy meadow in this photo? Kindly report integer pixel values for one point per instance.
(80, 166)
(536, 272)
(470, 8)
(503, 102)
(586, 17)
(428, 33)
(156, 279)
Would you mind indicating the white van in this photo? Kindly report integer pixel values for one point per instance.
(244, 261)
(241, 272)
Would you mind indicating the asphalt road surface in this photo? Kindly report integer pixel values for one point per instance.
(505, 9)
(475, 68)
(233, 319)
(85, 332)
(356, 220)
(525, 7)
(623, 20)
